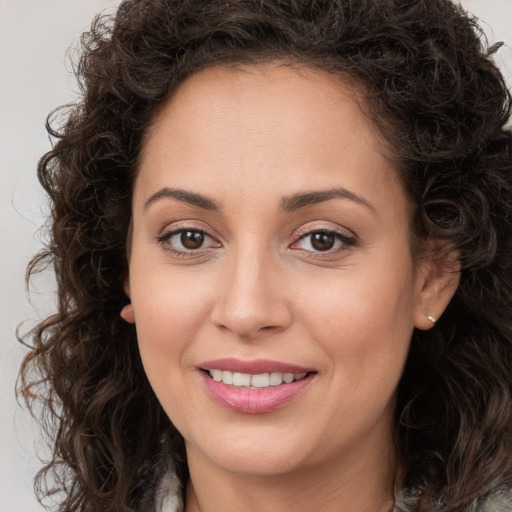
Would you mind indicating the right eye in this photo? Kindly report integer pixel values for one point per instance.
(187, 240)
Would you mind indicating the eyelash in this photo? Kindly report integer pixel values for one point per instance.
(165, 241)
(345, 241)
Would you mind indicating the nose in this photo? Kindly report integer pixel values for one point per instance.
(251, 297)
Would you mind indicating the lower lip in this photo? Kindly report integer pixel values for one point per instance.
(254, 400)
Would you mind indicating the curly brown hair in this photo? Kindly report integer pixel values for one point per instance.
(442, 106)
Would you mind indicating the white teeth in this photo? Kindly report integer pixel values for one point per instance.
(288, 378)
(262, 380)
(216, 375)
(241, 379)
(276, 379)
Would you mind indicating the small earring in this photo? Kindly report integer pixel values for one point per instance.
(127, 314)
(432, 319)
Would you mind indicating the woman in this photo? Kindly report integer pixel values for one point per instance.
(302, 212)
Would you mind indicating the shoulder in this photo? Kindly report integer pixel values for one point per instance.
(169, 498)
(499, 500)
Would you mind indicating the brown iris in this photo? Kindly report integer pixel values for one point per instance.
(192, 239)
(323, 241)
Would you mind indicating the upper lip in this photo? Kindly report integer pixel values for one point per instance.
(254, 367)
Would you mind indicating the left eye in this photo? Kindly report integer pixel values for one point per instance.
(323, 241)
(185, 240)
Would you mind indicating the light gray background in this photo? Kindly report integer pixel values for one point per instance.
(35, 76)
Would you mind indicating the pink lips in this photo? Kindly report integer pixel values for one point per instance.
(254, 400)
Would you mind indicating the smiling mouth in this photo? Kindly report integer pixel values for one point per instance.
(254, 381)
(254, 387)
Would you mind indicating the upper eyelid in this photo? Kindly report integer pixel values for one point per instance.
(309, 228)
(167, 234)
(347, 239)
(192, 225)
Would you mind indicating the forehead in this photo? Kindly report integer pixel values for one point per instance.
(267, 121)
(296, 95)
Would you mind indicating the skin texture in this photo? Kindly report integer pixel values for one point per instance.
(248, 139)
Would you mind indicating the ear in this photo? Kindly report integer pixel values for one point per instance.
(438, 279)
(127, 313)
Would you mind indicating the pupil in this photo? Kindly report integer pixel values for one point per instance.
(192, 239)
(323, 241)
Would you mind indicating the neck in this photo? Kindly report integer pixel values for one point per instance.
(349, 486)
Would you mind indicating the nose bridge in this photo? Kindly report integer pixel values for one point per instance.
(250, 297)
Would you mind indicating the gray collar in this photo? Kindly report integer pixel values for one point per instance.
(169, 498)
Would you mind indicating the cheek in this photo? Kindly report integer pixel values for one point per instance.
(364, 326)
(166, 320)
(167, 302)
(169, 311)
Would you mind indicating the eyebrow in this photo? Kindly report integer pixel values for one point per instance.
(288, 204)
(302, 200)
(187, 197)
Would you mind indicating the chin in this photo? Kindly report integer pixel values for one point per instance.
(257, 455)
(257, 464)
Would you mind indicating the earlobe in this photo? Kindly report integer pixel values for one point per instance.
(439, 279)
(432, 319)
(127, 314)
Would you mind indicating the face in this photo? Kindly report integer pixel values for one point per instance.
(270, 273)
